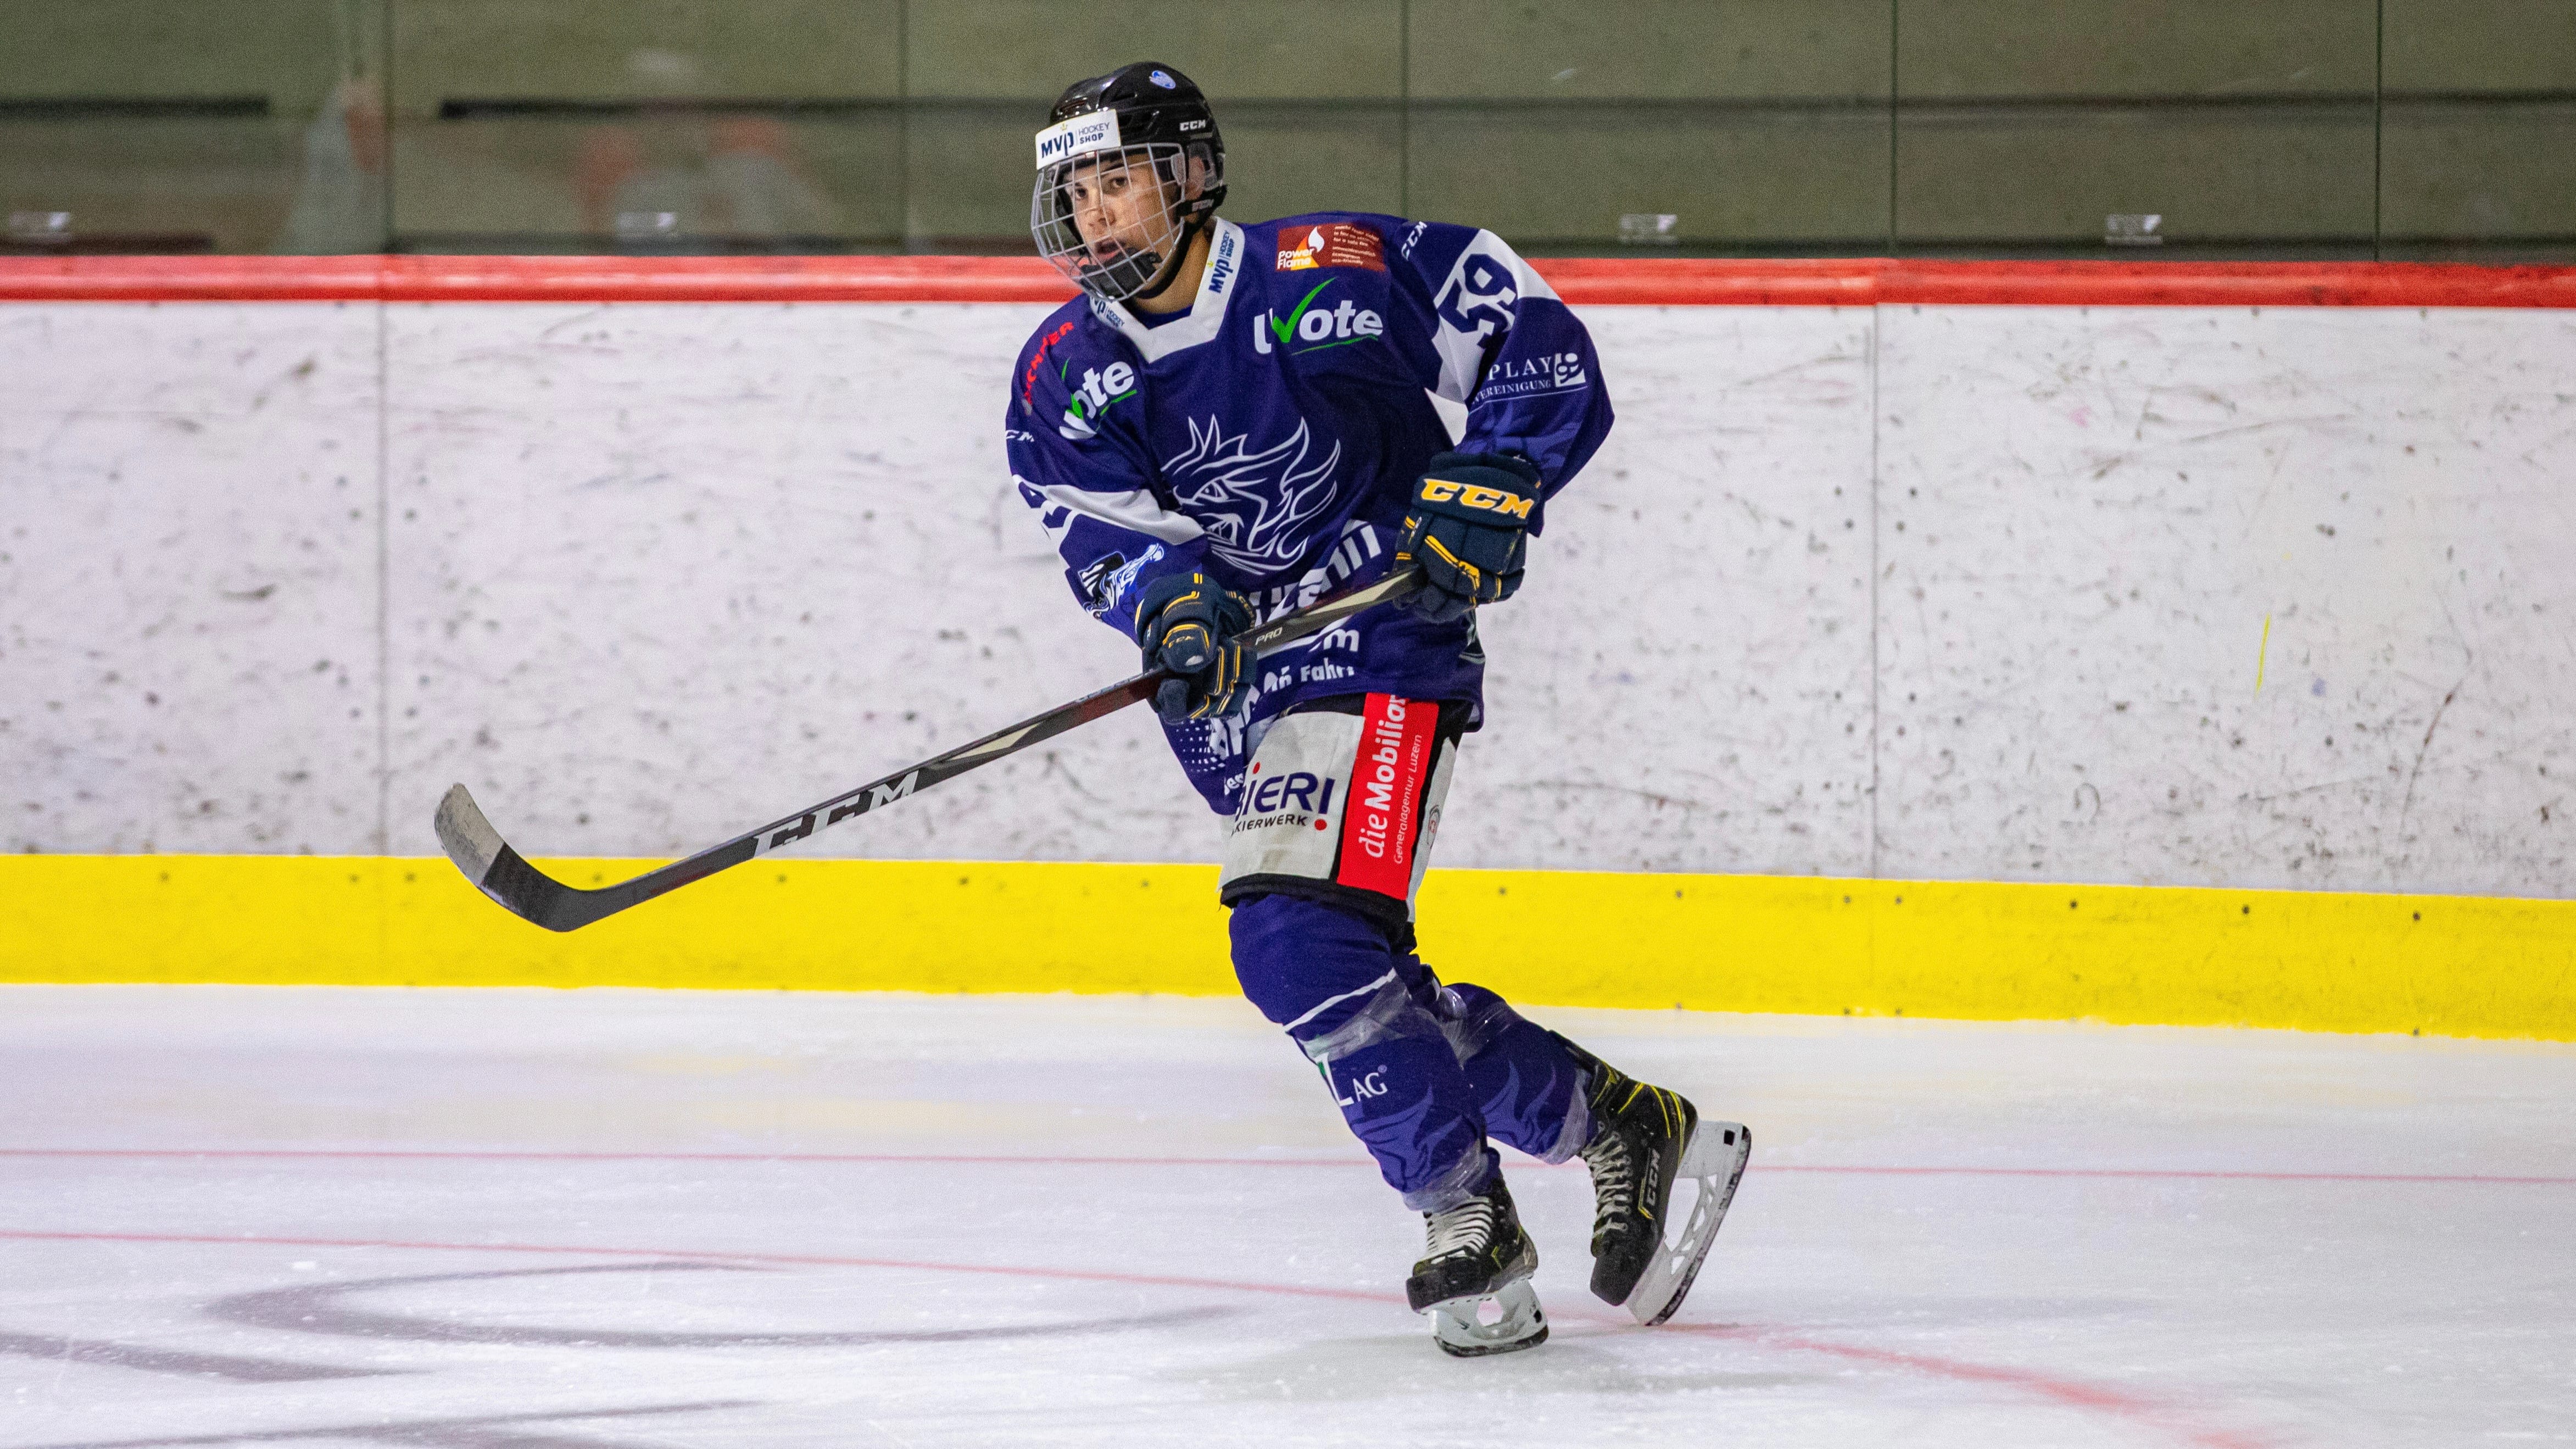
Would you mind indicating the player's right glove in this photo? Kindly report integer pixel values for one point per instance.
(1187, 623)
(1468, 529)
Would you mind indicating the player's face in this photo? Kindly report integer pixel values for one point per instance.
(1121, 206)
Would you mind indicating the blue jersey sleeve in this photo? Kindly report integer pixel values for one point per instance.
(1491, 333)
(1079, 459)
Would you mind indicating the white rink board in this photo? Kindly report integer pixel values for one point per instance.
(644, 574)
(475, 1218)
(2089, 516)
(189, 647)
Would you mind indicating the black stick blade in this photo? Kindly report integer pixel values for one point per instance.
(500, 872)
(468, 838)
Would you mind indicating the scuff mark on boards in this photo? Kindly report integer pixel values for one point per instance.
(2420, 751)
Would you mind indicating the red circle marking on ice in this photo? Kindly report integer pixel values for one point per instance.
(2071, 1393)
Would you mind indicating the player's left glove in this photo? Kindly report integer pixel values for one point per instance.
(1187, 623)
(1468, 528)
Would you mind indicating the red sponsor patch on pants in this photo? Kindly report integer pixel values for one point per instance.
(1379, 814)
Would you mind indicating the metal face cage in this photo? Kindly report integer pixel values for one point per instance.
(1135, 202)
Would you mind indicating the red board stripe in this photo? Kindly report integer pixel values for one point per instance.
(1870, 281)
(530, 279)
(1856, 282)
(2227, 284)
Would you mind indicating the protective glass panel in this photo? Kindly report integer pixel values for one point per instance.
(207, 126)
(2328, 128)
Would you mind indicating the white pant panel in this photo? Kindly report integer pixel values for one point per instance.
(1348, 801)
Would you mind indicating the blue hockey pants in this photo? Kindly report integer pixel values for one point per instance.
(1424, 1072)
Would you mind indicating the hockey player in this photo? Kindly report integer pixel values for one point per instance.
(1229, 423)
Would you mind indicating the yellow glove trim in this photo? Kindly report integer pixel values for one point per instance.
(1475, 577)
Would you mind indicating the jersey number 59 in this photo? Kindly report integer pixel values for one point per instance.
(1481, 278)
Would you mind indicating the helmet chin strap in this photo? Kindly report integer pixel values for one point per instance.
(1171, 271)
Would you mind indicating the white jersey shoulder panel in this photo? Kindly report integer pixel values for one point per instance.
(1483, 291)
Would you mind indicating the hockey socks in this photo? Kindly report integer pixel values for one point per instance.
(1474, 1253)
(1644, 1139)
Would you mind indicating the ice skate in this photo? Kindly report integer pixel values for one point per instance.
(1646, 1138)
(1478, 1262)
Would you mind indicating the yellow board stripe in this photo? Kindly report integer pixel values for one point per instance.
(2442, 965)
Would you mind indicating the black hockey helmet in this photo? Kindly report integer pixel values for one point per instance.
(1144, 122)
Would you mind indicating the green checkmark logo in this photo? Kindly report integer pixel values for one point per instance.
(1287, 331)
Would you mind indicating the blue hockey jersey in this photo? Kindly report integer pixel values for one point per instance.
(1272, 434)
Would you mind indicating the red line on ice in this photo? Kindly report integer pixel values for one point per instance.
(2072, 1393)
(998, 1160)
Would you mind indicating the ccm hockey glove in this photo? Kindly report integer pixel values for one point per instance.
(1468, 528)
(1187, 624)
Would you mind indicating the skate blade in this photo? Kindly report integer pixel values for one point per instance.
(1522, 1324)
(1715, 1156)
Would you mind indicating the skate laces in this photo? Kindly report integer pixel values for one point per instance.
(1465, 1228)
(1614, 1178)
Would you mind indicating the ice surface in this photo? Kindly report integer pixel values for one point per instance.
(551, 1220)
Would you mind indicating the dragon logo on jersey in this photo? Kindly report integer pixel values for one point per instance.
(1254, 505)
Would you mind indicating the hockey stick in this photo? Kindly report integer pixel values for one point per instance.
(531, 894)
